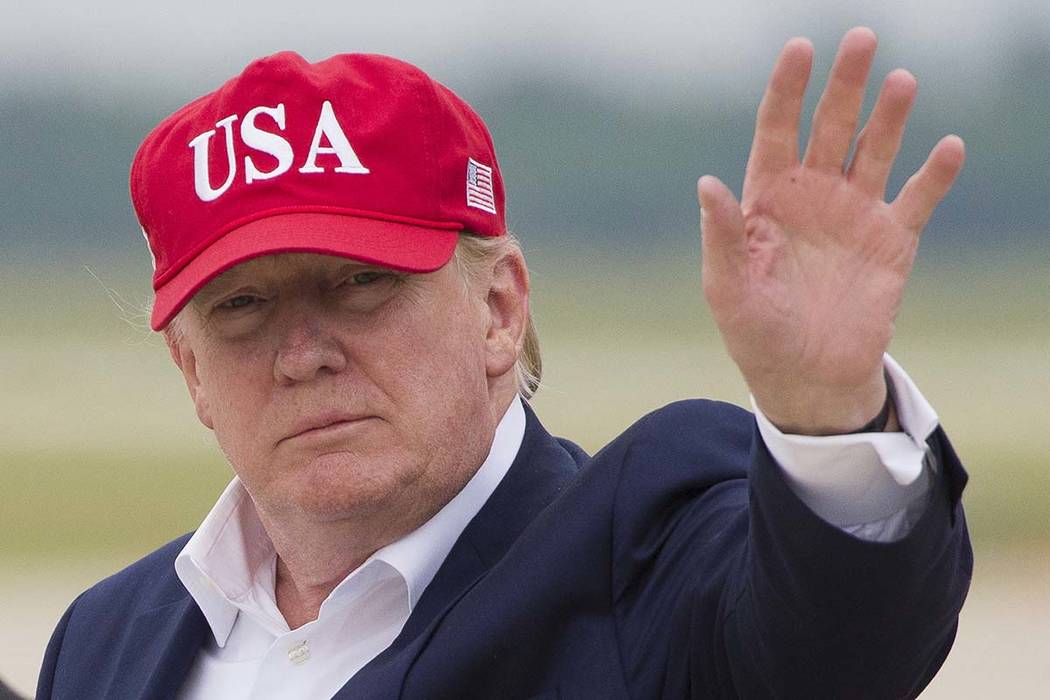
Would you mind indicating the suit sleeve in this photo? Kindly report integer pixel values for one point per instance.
(726, 585)
(821, 613)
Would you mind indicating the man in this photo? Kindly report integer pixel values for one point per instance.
(336, 284)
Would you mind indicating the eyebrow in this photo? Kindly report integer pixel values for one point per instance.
(213, 288)
(217, 286)
(231, 278)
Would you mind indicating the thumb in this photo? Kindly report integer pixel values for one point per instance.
(723, 243)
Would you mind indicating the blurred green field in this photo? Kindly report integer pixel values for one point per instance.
(101, 455)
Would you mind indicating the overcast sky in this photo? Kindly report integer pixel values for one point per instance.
(639, 48)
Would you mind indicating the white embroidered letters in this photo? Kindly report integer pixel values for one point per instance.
(264, 141)
(328, 127)
(273, 144)
(201, 176)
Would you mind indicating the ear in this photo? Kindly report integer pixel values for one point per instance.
(508, 308)
(186, 361)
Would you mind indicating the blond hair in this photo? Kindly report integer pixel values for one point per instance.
(473, 254)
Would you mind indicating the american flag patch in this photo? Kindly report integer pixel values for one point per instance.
(479, 187)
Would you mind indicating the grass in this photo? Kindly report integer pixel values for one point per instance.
(104, 504)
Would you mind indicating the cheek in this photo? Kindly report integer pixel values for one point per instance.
(434, 368)
(452, 382)
(449, 351)
(237, 388)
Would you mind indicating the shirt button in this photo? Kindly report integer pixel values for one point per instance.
(299, 653)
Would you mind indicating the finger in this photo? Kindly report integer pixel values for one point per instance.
(723, 242)
(880, 140)
(925, 189)
(775, 145)
(835, 119)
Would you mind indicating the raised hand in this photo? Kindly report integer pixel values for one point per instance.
(805, 276)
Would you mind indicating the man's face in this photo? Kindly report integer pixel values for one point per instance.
(338, 389)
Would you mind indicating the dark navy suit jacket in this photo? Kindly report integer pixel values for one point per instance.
(675, 563)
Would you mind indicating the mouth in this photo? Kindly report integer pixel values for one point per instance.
(325, 427)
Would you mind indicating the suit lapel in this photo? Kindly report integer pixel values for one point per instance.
(159, 649)
(542, 468)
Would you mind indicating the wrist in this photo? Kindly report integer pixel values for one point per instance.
(821, 411)
(881, 422)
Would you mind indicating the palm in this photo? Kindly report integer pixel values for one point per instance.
(805, 277)
(823, 283)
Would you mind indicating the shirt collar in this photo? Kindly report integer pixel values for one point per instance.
(231, 552)
(220, 562)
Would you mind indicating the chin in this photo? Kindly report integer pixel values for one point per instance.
(341, 484)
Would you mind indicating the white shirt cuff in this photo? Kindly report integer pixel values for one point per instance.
(872, 485)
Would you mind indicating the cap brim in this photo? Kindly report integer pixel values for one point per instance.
(395, 245)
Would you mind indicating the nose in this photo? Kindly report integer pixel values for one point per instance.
(308, 349)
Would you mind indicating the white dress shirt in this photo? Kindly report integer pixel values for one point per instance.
(872, 485)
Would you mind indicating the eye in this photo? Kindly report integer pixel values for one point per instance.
(368, 289)
(367, 277)
(372, 280)
(237, 303)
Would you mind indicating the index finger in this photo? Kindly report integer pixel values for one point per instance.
(775, 146)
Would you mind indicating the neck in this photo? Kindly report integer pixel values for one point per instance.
(314, 557)
(298, 601)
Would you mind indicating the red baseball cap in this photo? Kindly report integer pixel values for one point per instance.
(360, 156)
